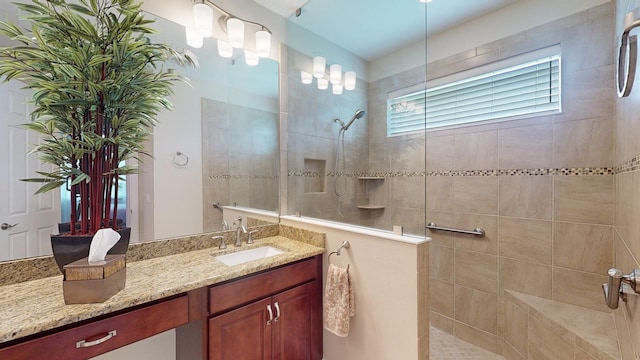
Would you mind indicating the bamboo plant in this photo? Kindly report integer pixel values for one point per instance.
(98, 83)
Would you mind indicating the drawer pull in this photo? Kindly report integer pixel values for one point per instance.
(86, 344)
(270, 315)
(277, 311)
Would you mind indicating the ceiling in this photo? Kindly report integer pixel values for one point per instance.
(373, 28)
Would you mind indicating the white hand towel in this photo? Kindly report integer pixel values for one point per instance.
(339, 301)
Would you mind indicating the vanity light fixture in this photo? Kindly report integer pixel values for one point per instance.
(339, 81)
(203, 19)
(350, 80)
(319, 66)
(335, 73)
(235, 30)
(233, 26)
(251, 57)
(323, 84)
(306, 77)
(263, 43)
(194, 38)
(225, 49)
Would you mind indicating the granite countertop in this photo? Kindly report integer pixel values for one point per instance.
(31, 307)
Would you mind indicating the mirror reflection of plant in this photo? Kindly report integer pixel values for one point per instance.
(98, 84)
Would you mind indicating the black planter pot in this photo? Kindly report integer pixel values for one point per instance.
(69, 248)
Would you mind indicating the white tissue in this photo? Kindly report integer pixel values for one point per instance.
(102, 241)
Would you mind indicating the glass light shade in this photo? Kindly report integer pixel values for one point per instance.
(263, 43)
(319, 65)
(194, 38)
(349, 80)
(251, 57)
(306, 78)
(337, 89)
(335, 73)
(323, 84)
(203, 19)
(235, 29)
(225, 49)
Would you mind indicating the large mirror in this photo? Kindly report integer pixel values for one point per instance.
(219, 146)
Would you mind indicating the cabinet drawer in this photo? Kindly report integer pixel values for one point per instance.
(106, 334)
(239, 292)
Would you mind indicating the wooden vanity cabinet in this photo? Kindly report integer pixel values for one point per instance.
(279, 315)
(101, 336)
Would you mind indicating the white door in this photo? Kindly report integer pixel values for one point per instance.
(26, 220)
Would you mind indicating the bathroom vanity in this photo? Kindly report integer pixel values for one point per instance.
(264, 309)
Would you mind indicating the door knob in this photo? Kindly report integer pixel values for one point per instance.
(5, 226)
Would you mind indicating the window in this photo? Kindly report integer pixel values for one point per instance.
(528, 88)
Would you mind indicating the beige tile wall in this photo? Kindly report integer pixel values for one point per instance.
(626, 234)
(240, 159)
(548, 235)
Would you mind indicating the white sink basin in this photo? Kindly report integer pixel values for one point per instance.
(240, 257)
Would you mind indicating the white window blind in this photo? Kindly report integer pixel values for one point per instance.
(527, 89)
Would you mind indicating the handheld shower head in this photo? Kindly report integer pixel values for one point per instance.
(360, 113)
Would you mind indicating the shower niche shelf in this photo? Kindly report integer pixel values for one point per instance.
(373, 181)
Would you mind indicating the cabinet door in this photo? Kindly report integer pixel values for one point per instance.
(296, 332)
(241, 334)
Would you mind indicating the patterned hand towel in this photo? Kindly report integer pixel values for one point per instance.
(338, 301)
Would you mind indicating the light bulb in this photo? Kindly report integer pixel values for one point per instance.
(225, 49)
(323, 84)
(194, 38)
(337, 89)
(263, 43)
(306, 78)
(335, 73)
(349, 80)
(235, 29)
(203, 19)
(251, 57)
(319, 65)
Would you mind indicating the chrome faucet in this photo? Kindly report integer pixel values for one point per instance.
(225, 225)
(239, 230)
(223, 245)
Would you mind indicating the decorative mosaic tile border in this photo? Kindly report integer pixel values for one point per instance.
(252, 177)
(501, 172)
(632, 164)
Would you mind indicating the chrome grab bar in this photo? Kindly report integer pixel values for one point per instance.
(614, 288)
(479, 232)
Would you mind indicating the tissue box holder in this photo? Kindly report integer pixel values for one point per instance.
(86, 283)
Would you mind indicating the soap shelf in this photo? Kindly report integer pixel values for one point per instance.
(370, 206)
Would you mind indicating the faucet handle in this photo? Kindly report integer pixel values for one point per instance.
(223, 245)
(250, 237)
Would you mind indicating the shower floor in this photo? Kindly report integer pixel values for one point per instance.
(443, 346)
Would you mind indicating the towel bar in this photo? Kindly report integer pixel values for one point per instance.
(479, 232)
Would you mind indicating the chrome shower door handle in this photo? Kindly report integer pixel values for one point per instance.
(5, 226)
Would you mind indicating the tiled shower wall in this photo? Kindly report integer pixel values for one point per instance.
(627, 194)
(240, 158)
(542, 188)
(312, 143)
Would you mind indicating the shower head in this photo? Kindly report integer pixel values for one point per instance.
(360, 113)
